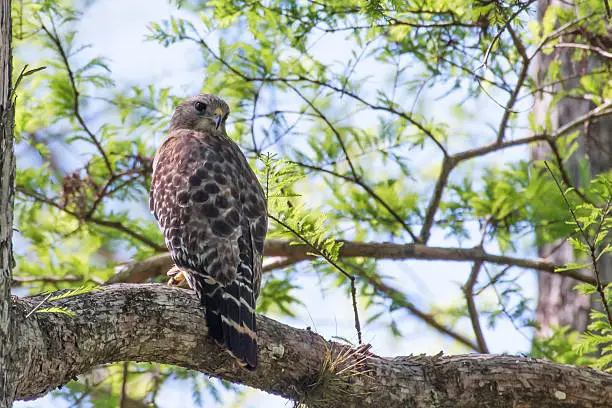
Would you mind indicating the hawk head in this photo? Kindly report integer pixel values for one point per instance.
(203, 112)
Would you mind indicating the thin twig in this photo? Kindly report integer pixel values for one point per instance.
(123, 396)
(331, 127)
(448, 164)
(39, 305)
(585, 47)
(468, 291)
(255, 100)
(76, 106)
(369, 190)
(331, 262)
(98, 221)
(499, 33)
(557, 33)
(564, 175)
(504, 310)
(592, 249)
(427, 318)
(600, 287)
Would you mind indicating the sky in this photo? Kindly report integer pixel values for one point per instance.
(329, 312)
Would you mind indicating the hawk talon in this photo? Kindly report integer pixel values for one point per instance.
(176, 276)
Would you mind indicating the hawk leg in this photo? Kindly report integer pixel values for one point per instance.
(177, 277)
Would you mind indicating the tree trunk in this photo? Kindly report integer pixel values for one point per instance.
(148, 322)
(558, 303)
(7, 177)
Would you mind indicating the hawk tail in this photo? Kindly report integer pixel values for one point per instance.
(230, 315)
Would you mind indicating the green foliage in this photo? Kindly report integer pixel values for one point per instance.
(591, 223)
(560, 346)
(74, 292)
(296, 222)
(56, 309)
(277, 295)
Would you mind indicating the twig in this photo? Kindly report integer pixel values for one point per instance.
(508, 109)
(564, 176)
(600, 287)
(429, 319)
(341, 90)
(448, 164)
(331, 262)
(22, 75)
(39, 305)
(252, 127)
(332, 128)
(500, 301)
(76, 106)
(369, 190)
(123, 396)
(468, 291)
(499, 33)
(106, 223)
(585, 47)
(592, 249)
(558, 32)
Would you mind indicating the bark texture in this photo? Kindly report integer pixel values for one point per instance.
(558, 303)
(156, 323)
(7, 176)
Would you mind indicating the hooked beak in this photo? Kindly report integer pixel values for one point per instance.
(218, 119)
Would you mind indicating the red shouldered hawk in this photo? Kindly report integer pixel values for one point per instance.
(213, 214)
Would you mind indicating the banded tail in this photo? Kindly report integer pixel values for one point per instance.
(230, 314)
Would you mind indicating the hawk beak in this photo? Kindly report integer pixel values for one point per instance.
(218, 119)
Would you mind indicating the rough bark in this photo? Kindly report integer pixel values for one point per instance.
(157, 323)
(7, 175)
(139, 271)
(558, 303)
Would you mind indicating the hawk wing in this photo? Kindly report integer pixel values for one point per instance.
(212, 212)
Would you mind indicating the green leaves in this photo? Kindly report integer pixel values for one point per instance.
(296, 221)
(57, 309)
(74, 292)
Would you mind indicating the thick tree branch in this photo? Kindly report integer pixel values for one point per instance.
(157, 265)
(166, 325)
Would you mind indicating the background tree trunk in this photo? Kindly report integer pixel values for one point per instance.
(7, 176)
(558, 303)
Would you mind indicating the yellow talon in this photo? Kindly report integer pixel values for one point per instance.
(177, 277)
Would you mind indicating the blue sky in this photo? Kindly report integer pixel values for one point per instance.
(328, 311)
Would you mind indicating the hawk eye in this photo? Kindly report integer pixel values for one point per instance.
(200, 107)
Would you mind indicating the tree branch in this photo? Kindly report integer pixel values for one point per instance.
(55, 38)
(468, 291)
(139, 271)
(166, 325)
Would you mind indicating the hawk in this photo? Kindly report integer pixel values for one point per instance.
(213, 214)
